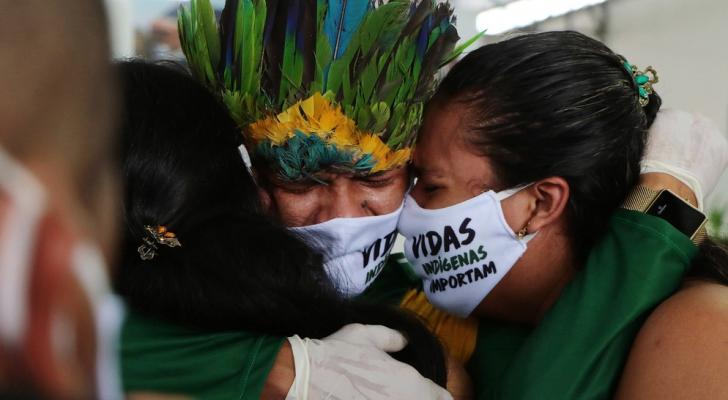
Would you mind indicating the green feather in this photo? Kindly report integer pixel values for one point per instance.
(292, 73)
(323, 54)
(461, 48)
(382, 79)
(248, 47)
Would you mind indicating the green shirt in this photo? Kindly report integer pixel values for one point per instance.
(579, 348)
(576, 352)
(165, 358)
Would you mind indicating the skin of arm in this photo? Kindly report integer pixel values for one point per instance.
(281, 375)
(680, 352)
(660, 181)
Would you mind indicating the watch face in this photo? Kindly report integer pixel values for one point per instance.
(677, 212)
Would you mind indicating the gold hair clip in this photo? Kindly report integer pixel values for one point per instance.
(156, 236)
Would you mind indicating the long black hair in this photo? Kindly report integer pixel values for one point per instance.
(236, 269)
(556, 104)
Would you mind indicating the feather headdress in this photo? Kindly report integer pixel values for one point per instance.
(317, 84)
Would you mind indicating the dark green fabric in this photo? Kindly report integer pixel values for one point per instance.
(577, 351)
(396, 279)
(579, 348)
(165, 358)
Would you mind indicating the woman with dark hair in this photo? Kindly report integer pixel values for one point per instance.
(527, 151)
(214, 287)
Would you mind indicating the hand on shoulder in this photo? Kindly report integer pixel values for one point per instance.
(681, 352)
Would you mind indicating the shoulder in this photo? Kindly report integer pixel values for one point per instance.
(682, 349)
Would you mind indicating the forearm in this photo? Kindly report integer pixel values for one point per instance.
(281, 376)
(660, 181)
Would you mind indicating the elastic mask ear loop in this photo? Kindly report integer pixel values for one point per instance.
(504, 194)
(245, 155)
(523, 234)
(412, 181)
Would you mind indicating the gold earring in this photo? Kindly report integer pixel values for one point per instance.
(523, 232)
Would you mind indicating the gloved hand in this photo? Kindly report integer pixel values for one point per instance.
(689, 147)
(353, 364)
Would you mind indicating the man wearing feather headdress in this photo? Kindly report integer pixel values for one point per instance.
(329, 96)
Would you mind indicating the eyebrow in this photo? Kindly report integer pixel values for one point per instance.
(374, 175)
(427, 170)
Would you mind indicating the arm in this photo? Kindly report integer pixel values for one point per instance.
(661, 181)
(680, 352)
(281, 376)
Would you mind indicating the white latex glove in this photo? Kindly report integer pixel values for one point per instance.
(689, 147)
(353, 364)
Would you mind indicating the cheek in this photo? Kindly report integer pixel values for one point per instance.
(294, 209)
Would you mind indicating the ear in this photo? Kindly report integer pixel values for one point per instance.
(548, 202)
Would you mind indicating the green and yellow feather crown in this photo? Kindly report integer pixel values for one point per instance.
(322, 84)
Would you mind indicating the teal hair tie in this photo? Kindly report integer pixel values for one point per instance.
(643, 81)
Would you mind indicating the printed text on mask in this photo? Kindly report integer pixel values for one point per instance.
(432, 242)
(379, 249)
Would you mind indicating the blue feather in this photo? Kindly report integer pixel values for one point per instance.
(304, 155)
(342, 20)
(413, 9)
(365, 163)
(227, 25)
(424, 37)
(294, 11)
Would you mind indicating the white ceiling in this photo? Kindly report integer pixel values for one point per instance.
(477, 5)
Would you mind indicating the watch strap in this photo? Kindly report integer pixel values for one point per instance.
(641, 198)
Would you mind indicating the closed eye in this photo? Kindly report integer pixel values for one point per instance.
(297, 187)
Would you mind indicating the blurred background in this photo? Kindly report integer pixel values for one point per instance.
(683, 40)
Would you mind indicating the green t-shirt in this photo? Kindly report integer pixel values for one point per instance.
(396, 279)
(577, 351)
(165, 358)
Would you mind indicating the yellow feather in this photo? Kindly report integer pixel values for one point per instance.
(317, 115)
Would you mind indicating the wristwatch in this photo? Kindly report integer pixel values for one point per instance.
(670, 207)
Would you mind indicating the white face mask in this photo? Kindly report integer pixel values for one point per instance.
(27, 206)
(355, 250)
(461, 252)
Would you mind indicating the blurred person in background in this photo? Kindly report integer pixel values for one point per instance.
(163, 40)
(57, 191)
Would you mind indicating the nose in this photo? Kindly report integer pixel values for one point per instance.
(342, 200)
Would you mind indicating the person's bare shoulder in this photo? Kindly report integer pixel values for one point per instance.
(681, 352)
